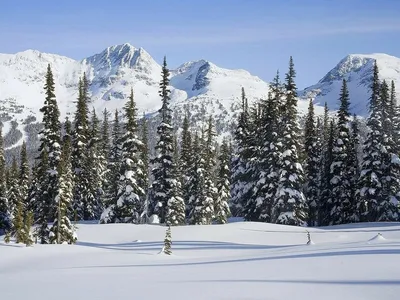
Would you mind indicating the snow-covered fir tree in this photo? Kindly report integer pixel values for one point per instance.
(5, 216)
(354, 164)
(240, 173)
(221, 206)
(371, 186)
(343, 206)
(50, 153)
(127, 206)
(312, 147)
(185, 160)
(24, 175)
(62, 230)
(290, 205)
(164, 186)
(266, 183)
(200, 201)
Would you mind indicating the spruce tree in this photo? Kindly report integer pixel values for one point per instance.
(241, 189)
(167, 241)
(113, 168)
(371, 185)
(290, 206)
(221, 206)
(312, 166)
(62, 230)
(388, 210)
(16, 204)
(267, 169)
(164, 184)
(5, 220)
(81, 204)
(343, 206)
(50, 152)
(127, 208)
(185, 160)
(354, 165)
(200, 202)
(24, 175)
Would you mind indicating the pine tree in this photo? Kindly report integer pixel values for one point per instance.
(267, 169)
(221, 206)
(342, 199)
(127, 208)
(241, 189)
(290, 206)
(24, 175)
(388, 210)
(200, 202)
(395, 117)
(5, 220)
(164, 184)
(28, 223)
(167, 242)
(105, 134)
(185, 160)
(144, 154)
(371, 193)
(113, 168)
(62, 230)
(81, 203)
(95, 169)
(312, 166)
(354, 168)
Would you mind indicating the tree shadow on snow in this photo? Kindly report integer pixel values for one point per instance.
(302, 281)
(395, 251)
(180, 245)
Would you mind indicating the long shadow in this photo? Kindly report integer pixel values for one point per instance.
(293, 256)
(324, 230)
(9, 245)
(334, 282)
(182, 245)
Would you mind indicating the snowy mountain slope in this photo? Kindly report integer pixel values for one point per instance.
(357, 69)
(200, 87)
(240, 260)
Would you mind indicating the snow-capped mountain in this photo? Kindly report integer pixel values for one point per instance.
(198, 87)
(357, 69)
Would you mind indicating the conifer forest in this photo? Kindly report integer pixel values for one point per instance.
(276, 166)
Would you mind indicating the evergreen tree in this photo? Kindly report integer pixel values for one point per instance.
(144, 154)
(395, 117)
(241, 189)
(371, 191)
(127, 208)
(267, 169)
(62, 230)
(290, 206)
(221, 207)
(341, 197)
(113, 168)
(5, 220)
(185, 160)
(313, 163)
(50, 152)
(354, 166)
(167, 242)
(164, 184)
(24, 175)
(200, 202)
(105, 134)
(387, 210)
(16, 204)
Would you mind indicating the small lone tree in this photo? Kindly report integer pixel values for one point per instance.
(167, 242)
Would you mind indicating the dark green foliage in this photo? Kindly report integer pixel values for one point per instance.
(312, 147)
(5, 220)
(164, 185)
(221, 206)
(167, 242)
(290, 206)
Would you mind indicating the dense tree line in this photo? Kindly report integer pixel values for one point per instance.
(329, 183)
(91, 169)
(275, 171)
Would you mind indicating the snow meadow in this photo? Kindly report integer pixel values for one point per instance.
(240, 260)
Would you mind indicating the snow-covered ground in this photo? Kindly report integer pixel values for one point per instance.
(235, 261)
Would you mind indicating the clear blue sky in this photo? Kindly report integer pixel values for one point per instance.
(256, 35)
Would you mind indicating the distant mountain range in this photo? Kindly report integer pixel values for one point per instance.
(198, 87)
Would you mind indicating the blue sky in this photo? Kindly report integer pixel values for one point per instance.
(256, 35)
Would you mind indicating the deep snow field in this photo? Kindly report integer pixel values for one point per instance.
(240, 260)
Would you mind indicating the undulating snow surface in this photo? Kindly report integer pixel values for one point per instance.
(235, 261)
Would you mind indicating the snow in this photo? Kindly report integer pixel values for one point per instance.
(239, 260)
